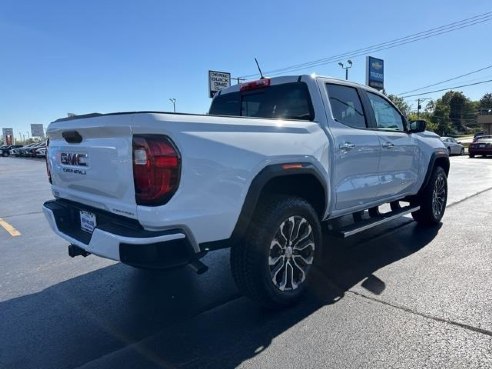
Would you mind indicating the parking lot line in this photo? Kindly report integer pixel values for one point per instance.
(13, 232)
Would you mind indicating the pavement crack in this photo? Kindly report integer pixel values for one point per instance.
(469, 197)
(424, 315)
(20, 215)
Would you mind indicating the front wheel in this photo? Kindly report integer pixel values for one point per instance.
(274, 263)
(433, 199)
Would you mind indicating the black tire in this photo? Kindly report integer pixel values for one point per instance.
(257, 274)
(471, 155)
(462, 152)
(449, 151)
(432, 199)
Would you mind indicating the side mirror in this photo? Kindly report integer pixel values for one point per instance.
(460, 143)
(417, 126)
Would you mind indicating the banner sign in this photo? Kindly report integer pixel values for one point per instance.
(37, 130)
(375, 73)
(217, 81)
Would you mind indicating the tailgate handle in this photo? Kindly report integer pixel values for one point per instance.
(72, 136)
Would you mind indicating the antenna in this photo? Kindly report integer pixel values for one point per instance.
(258, 65)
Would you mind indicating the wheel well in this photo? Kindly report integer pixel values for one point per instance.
(306, 186)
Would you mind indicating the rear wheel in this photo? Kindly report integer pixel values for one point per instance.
(471, 155)
(462, 152)
(433, 199)
(274, 263)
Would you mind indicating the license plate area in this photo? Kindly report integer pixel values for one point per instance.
(87, 221)
(481, 145)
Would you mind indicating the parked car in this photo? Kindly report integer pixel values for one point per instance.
(477, 135)
(6, 149)
(30, 150)
(482, 146)
(22, 151)
(41, 152)
(33, 150)
(454, 147)
(14, 151)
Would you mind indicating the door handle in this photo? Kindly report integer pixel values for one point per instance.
(388, 145)
(346, 146)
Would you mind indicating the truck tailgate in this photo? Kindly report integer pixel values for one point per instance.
(90, 162)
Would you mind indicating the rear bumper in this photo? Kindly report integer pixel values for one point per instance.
(119, 238)
(480, 151)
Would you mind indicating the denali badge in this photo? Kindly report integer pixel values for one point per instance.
(69, 158)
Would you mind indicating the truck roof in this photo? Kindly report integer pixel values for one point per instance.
(295, 78)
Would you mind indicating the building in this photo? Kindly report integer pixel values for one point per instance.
(485, 120)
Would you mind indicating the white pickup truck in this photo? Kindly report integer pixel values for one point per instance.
(272, 161)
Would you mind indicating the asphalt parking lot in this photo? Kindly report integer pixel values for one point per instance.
(394, 297)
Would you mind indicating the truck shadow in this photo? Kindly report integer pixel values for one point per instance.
(118, 317)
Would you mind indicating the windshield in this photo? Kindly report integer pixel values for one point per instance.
(285, 101)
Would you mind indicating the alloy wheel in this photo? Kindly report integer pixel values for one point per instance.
(291, 253)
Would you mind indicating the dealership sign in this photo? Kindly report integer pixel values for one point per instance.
(37, 130)
(375, 73)
(217, 81)
(8, 136)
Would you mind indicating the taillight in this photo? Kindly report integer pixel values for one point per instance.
(255, 85)
(156, 169)
(47, 161)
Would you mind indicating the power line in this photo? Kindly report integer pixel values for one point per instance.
(467, 22)
(447, 80)
(449, 88)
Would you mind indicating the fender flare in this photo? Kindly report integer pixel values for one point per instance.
(432, 163)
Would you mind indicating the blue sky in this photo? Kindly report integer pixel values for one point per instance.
(61, 56)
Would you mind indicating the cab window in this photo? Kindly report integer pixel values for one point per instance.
(283, 101)
(346, 105)
(385, 115)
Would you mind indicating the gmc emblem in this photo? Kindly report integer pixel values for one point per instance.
(76, 159)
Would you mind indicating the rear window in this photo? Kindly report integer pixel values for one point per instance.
(285, 101)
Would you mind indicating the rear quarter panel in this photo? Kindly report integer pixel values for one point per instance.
(220, 158)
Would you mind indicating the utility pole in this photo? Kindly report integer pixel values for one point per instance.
(173, 101)
(418, 105)
(239, 79)
(349, 65)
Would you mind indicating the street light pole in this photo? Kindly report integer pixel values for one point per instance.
(173, 101)
(349, 65)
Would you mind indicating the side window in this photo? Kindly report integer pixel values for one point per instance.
(387, 117)
(346, 105)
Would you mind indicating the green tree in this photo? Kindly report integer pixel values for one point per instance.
(454, 112)
(486, 101)
(440, 118)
